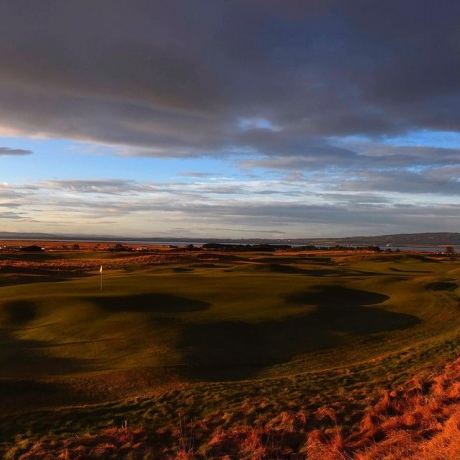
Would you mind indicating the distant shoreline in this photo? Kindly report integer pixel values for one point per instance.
(417, 241)
(104, 245)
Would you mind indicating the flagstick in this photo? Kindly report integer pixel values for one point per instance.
(101, 277)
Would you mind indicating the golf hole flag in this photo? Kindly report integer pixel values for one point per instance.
(100, 270)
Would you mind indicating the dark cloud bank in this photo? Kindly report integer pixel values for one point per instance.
(180, 75)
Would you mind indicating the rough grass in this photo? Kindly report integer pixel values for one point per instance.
(419, 420)
(238, 345)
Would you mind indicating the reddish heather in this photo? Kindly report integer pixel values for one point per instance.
(418, 421)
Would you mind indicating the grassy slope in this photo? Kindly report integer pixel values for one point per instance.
(255, 336)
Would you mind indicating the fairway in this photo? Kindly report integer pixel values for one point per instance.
(204, 331)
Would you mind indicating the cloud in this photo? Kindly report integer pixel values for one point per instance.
(313, 98)
(292, 209)
(369, 166)
(212, 79)
(197, 174)
(93, 186)
(9, 204)
(14, 152)
(443, 181)
(13, 216)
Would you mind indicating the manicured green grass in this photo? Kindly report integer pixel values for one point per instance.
(267, 333)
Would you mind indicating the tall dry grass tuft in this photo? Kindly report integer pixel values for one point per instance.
(109, 443)
(328, 443)
(445, 445)
(186, 439)
(419, 421)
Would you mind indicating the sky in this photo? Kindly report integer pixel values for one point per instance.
(229, 119)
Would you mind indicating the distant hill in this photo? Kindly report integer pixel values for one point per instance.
(17, 235)
(409, 239)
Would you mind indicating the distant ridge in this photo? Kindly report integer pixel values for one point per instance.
(402, 239)
(409, 239)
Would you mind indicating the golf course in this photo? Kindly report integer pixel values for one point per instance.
(188, 352)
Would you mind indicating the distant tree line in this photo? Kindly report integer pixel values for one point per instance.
(277, 247)
(245, 247)
(32, 248)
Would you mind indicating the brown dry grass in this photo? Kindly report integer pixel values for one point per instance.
(10, 265)
(417, 421)
(420, 420)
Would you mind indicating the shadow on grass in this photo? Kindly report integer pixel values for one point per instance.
(26, 358)
(210, 265)
(24, 395)
(287, 269)
(17, 312)
(352, 310)
(290, 259)
(150, 303)
(393, 269)
(294, 270)
(235, 350)
(229, 350)
(29, 275)
(31, 359)
(441, 286)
